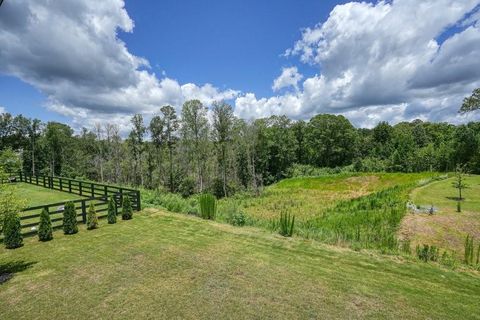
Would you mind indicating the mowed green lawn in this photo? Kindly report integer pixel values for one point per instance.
(33, 196)
(37, 195)
(163, 266)
(447, 228)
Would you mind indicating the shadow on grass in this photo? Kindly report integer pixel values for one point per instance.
(7, 270)
(456, 198)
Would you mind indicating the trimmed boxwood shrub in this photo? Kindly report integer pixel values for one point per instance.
(70, 219)
(112, 211)
(127, 211)
(12, 231)
(92, 220)
(45, 231)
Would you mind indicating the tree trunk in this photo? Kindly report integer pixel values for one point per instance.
(171, 167)
(224, 161)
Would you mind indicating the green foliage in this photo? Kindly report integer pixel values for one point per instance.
(92, 220)
(471, 103)
(427, 253)
(286, 224)
(371, 220)
(127, 211)
(469, 256)
(449, 260)
(12, 231)
(70, 219)
(112, 211)
(45, 230)
(10, 202)
(405, 247)
(208, 206)
(10, 161)
(233, 214)
(187, 187)
(459, 183)
(170, 201)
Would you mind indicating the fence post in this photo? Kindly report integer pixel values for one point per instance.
(80, 187)
(21, 176)
(139, 206)
(69, 186)
(36, 180)
(106, 192)
(121, 197)
(61, 184)
(92, 187)
(84, 212)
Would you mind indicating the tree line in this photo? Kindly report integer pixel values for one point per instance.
(201, 149)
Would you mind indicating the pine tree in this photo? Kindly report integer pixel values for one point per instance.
(112, 211)
(12, 231)
(45, 231)
(70, 219)
(127, 211)
(92, 220)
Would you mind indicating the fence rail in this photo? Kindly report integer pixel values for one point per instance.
(95, 193)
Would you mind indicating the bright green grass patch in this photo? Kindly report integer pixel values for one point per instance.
(446, 228)
(442, 195)
(172, 266)
(36, 195)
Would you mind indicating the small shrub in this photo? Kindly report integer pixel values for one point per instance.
(286, 224)
(427, 253)
(127, 211)
(45, 231)
(234, 215)
(448, 260)
(405, 247)
(70, 219)
(12, 231)
(112, 211)
(92, 220)
(187, 187)
(208, 206)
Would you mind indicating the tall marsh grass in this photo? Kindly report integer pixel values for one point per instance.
(368, 222)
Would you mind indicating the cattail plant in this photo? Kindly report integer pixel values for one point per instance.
(468, 255)
(208, 206)
(286, 224)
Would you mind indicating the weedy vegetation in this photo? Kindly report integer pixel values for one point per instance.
(208, 206)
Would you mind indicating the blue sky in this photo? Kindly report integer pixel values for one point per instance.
(377, 61)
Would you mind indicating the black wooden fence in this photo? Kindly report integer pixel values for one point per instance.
(95, 193)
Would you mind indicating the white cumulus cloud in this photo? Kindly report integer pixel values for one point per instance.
(384, 61)
(70, 51)
(289, 78)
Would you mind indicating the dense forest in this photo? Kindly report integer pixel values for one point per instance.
(212, 149)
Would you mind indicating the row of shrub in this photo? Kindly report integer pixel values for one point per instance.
(13, 230)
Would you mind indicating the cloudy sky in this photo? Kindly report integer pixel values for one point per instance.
(87, 61)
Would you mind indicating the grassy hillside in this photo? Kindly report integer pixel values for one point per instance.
(309, 197)
(447, 228)
(163, 265)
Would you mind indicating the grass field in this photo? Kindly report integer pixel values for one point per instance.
(309, 197)
(162, 265)
(447, 228)
(36, 196)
